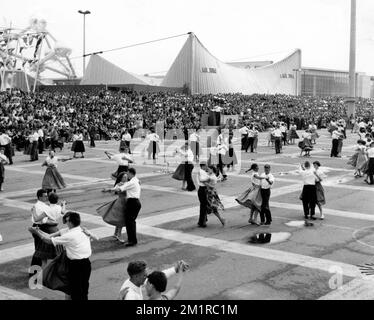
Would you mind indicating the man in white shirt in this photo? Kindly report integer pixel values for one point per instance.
(127, 138)
(244, 132)
(153, 147)
(41, 140)
(34, 154)
(195, 145)
(78, 250)
(266, 185)
(277, 133)
(132, 288)
(309, 193)
(5, 142)
(222, 147)
(133, 206)
(336, 135)
(202, 194)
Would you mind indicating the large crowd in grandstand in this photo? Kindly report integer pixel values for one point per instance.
(107, 113)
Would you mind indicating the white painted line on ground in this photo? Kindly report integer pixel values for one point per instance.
(357, 289)
(9, 294)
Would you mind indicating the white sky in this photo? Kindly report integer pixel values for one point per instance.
(230, 30)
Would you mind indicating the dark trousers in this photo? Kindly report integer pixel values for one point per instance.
(250, 142)
(34, 151)
(244, 141)
(371, 170)
(309, 200)
(278, 144)
(195, 146)
(188, 176)
(265, 214)
(41, 145)
(220, 165)
(334, 148)
(54, 144)
(284, 138)
(203, 205)
(132, 211)
(79, 276)
(92, 140)
(127, 143)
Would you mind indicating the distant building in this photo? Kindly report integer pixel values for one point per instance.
(326, 82)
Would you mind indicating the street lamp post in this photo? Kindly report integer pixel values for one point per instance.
(84, 37)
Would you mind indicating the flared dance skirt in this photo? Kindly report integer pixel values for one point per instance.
(2, 172)
(53, 179)
(230, 157)
(293, 134)
(214, 202)
(179, 173)
(113, 212)
(45, 250)
(151, 148)
(251, 198)
(78, 146)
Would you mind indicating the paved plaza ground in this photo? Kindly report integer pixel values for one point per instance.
(300, 262)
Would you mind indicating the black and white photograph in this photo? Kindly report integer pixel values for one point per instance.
(211, 152)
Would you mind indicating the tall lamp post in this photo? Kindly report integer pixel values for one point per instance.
(352, 63)
(84, 37)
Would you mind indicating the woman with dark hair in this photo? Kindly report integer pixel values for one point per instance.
(358, 159)
(319, 188)
(184, 170)
(78, 145)
(251, 198)
(52, 179)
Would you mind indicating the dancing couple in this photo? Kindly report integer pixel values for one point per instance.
(257, 196)
(208, 196)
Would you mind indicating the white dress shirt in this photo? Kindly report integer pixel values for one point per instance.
(194, 137)
(36, 211)
(132, 188)
(135, 292)
(371, 152)
(4, 139)
(264, 183)
(40, 133)
(277, 133)
(118, 158)
(76, 243)
(308, 176)
(54, 213)
(201, 177)
(126, 137)
(243, 130)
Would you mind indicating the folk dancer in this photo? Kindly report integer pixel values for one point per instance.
(133, 205)
(251, 198)
(3, 160)
(78, 251)
(266, 185)
(6, 144)
(123, 160)
(114, 212)
(184, 170)
(309, 193)
(52, 179)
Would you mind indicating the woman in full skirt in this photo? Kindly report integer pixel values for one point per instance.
(184, 170)
(113, 212)
(214, 202)
(251, 198)
(52, 179)
(358, 159)
(321, 200)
